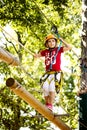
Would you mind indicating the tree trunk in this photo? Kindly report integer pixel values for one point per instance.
(83, 90)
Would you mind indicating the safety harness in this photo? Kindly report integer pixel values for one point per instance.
(58, 83)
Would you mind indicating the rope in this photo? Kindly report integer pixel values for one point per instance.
(25, 49)
(41, 12)
(2, 2)
(22, 68)
(14, 58)
(17, 41)
(52, 25)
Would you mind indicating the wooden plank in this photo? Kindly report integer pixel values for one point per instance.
(29, 98)
(55, 115)
(61, 115)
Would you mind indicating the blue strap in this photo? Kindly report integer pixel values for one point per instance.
(58, 35)
(55, 55)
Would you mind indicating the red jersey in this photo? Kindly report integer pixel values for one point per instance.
(52, 58)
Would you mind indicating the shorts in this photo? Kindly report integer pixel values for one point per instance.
(49, 84)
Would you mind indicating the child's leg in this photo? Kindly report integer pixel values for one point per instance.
(46, 99)
(51, 97)
(52, 90)
(49, 91)
(46, 91)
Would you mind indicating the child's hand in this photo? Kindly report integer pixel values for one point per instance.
(37, 55)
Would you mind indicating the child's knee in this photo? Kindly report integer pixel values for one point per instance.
(45, 92)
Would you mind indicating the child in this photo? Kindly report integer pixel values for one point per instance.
(52, 55)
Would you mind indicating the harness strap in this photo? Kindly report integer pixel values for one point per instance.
(52, 72)
(55, 55)
(58, 84)
(44, 77)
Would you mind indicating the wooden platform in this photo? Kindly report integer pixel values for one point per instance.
(55, 115)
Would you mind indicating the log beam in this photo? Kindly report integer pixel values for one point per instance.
(29, 98)
(8, 58)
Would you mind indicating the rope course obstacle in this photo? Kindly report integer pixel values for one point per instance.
(11, 60)
(27, 97)
(8, 58)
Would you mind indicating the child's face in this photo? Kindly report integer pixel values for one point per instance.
(51, 43)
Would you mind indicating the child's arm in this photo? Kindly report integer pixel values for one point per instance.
(67, 46)
(37, 55)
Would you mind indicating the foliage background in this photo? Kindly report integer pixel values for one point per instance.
(31, 22)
